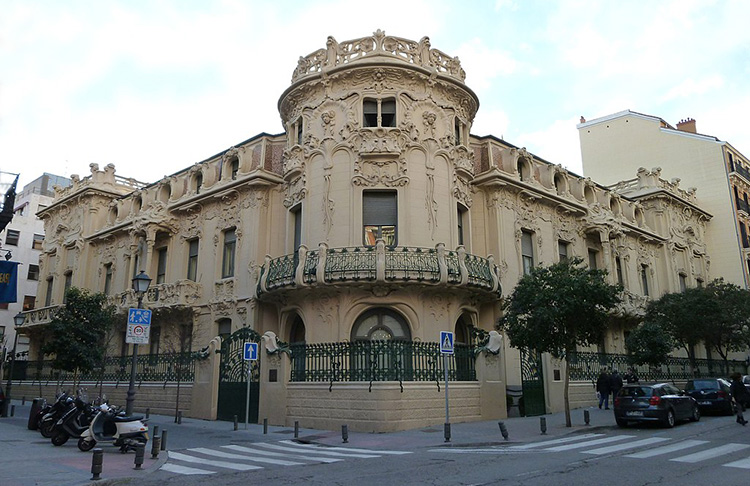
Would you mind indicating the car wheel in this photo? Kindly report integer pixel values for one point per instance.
(669, 421)
(621, 422)
(696, 416)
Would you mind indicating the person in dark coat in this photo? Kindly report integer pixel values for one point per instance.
(740, 395)
(615, 383)
(603, 388)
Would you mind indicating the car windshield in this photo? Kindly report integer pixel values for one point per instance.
(636, 391)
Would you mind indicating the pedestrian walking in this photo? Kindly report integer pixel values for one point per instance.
(740, 396)
(631, 376)
(615, 383)
(603, 388)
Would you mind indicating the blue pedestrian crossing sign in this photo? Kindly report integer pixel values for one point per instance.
(251, 351)
(446, 342)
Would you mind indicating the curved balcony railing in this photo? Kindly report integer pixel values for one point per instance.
(379, 263)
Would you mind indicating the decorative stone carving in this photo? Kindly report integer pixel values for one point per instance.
(296, 191)
(380, 172)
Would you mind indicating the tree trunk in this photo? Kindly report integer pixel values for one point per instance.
(568, 423)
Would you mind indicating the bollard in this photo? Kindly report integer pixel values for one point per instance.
(265, 426)
(586, 417)
(503, 430)
(156, 430)
(23, 400)
(179, 417)
(345, 433)
(164, 440)
(96, 464)
(543, 425)
(235, 422)
(12, 410)
(296, 429)
(139, 452)
(155, 446)
(148, 413)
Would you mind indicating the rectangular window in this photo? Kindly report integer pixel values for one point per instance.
(644, 279)
(12, 237)
(235, 167)
(593, 257)
(230, 244)
(135, 266)
(48, 295)
(33, 272)
(380, 217)
(618, 268)
(297, 220)
(68, 283)
(527, 251)
(562, 250)
(462, 212)
(37, 243)
(28, 302)
(192, 270)
(683, 282)
(743, 231)
(161, 266)
(699, 282)
(299, 131)
(107, 278)
(153, 340)
(457, 132)
(379, 113)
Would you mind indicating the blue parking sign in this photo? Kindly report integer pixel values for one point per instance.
(251, 351)
(446, 342)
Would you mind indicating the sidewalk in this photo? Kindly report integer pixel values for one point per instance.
(26, 458)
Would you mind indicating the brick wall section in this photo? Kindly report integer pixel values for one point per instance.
(384, 409)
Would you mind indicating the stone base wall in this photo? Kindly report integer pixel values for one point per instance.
(160, 399)
(384, 409)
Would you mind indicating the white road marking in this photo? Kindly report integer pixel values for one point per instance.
(309, 451)
(253, 450)
(742, 463)
(711, 453)
(227, 455)
(581, 445)
(625, 446)
(345, 449)
(685, 444)
(184, 469)
(210, 462)
(555, 441)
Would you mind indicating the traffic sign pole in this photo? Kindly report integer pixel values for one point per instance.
(247, 398)
(446, 348)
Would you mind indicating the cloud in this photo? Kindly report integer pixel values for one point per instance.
(556, 143)
(691, 87)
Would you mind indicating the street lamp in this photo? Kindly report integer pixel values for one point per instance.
(141, 283)
(18, 321)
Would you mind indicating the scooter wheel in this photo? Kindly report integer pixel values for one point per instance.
(86, 445)
(60, 439)
(46, 429)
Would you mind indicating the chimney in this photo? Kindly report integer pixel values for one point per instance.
(687, 125)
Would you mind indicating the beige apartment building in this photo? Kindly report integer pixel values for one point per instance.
(346, 244)
(613, 146)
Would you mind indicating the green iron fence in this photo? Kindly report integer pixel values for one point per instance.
(169, 367)
(379, 361)
(586, 366)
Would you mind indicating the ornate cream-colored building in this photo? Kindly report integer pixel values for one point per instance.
(351, 240)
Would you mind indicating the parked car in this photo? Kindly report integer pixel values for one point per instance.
(712, 394)
(662, 402)
(746, 381)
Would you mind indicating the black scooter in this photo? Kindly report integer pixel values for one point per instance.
(47, 422)
(74, 423)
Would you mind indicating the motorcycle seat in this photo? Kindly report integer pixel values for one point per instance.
(134, 418)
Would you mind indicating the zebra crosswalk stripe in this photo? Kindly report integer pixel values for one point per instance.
(210, 462)
(228, 455)
(555, 441)
(626, 446)
(685, 444)
(184, 469)
(742, 464)
(323, 452)
(711, 453)
(581, 445)
(343, 449)
(255, 450)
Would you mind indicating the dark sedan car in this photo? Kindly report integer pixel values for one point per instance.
(712, 394)
(662, 402)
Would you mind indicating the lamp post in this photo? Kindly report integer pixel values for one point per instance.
(141, 283)
(18, 321)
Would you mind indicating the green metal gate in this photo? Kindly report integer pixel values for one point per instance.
(532, 382)
(233, 374)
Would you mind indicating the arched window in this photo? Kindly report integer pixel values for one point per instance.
(224, 327)
(297, 332)
(380, 324)
(297, 340)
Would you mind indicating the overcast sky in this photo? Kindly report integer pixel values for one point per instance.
(155, 86)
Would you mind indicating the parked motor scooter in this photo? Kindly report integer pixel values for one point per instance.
(111, 425)
(74, 423)
(47, 422)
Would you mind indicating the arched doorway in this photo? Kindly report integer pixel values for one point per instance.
(381, 351)
(462, 349)
(297, 345)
